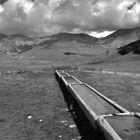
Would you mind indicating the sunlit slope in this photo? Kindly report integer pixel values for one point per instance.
(125, 58)
(63, 48)
(120, 38)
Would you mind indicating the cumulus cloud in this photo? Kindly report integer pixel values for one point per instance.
(42, 17)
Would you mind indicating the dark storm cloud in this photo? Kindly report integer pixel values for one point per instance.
(40, 17)
(2, 1)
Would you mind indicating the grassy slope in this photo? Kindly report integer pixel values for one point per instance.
(37, 95)
(120, 38)
(66, 49)
(122, 89)
(60, 49)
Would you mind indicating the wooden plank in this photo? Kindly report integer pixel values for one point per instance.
(125, 127)
(70, 80)
(123, 110)
(94, 102)
(106, 116)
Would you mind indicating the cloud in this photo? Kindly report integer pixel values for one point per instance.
(101, 34)
(42, 17)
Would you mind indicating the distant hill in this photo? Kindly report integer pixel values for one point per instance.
(71, 49)
(2, 36)
(133, 47)
(14, 44)
(120, 38)
(81, 37)
(125, 54)
(63, 47)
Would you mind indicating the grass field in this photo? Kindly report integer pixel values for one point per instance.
(32, 108)
(124, 90)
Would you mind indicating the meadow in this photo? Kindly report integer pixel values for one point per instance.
(122, 89)
(32, 107)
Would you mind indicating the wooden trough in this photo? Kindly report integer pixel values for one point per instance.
(107, 117)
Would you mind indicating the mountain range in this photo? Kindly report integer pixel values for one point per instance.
(67, 48)
(18, 44)
(133, 48)
(120, 38)
(59, 49)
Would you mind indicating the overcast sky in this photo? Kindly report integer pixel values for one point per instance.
(43, 17)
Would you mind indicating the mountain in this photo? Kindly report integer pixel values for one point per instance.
(81, 37)
(133, 47)
(125, 56)
(65, 49)
(2, 36)
(17, 44)
(14, 44)
(120, 38)
(61, 48)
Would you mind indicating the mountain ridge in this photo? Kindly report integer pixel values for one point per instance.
(14, 45)
(120, 38)
(133, 47)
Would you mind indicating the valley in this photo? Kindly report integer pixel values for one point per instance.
(31, 99)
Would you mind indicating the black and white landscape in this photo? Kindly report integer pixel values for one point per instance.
(81, 36)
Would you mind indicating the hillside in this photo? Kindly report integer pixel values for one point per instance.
(59, 49)
(17, 44)
(120, 38)
(125, 58)
(13, 45)
(67, 49)
(2, 36)
(81, 38)
(133, 47)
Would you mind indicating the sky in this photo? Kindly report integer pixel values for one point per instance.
(44, 17)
